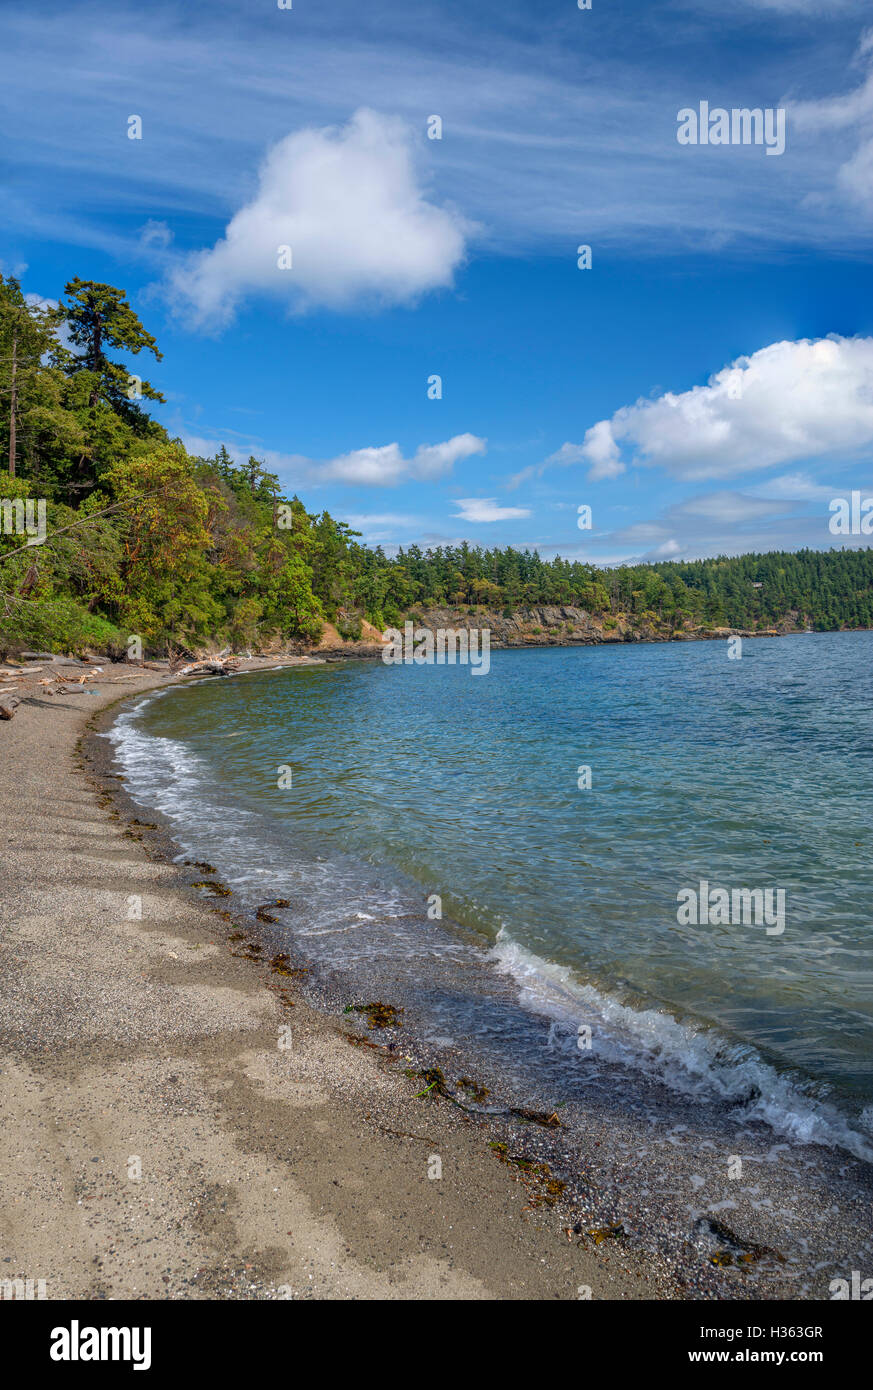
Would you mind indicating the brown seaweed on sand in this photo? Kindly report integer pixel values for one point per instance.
(549, 1120)
(544, 1189)
(734, 1250)
(386, 1052)
(379, 1015)
(280, 964)
(436, 1083)
(474, 1090)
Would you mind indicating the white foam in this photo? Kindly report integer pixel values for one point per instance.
(691, 1059)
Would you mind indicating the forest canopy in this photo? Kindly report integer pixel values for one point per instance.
(184, 551)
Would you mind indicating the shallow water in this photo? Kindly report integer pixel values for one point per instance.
(421, 780)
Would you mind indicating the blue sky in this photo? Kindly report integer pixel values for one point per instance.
(706, 387)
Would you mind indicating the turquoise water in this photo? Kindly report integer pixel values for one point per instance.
(413, 781)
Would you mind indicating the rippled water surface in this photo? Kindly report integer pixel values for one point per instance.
(413, 781)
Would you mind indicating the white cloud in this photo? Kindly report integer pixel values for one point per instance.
(347, 203)
(668, 551)
(38, 301)
(784, 403)
(486, 509)
(381, 466)
(385, 465)
(599, 450)
(796, 487)
(729, 507)
(851, 112)
(155, 235)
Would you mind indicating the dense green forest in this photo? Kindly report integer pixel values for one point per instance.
(144, 538)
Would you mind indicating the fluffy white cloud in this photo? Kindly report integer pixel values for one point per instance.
(385, 465)
(347, 203)
(486, 509)
(787, 402)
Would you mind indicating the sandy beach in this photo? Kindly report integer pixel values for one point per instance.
(165, 1136)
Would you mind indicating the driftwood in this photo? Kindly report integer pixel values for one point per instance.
(8, 707)
(211, 666)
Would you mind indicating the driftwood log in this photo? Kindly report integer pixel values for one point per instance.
(8, 707)
(212, 666)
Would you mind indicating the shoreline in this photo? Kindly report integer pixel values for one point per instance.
(265, 1172)
(525, 1252)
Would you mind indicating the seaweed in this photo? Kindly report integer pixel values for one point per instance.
(251, 951)
(357, 1041)
(601, 1233)
(217, 890)
(202, 865)
(735, 1250)
(478, 1093)
(263, 914)
(549, 1120)
(379, 1015)
(435, 1082)
(280, 964)
(473, 1088)
(544, 1189)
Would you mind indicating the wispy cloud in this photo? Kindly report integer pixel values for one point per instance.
(482, 509)
(852, 113)
(579, 144)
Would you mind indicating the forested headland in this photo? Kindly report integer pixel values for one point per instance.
(188, 552)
